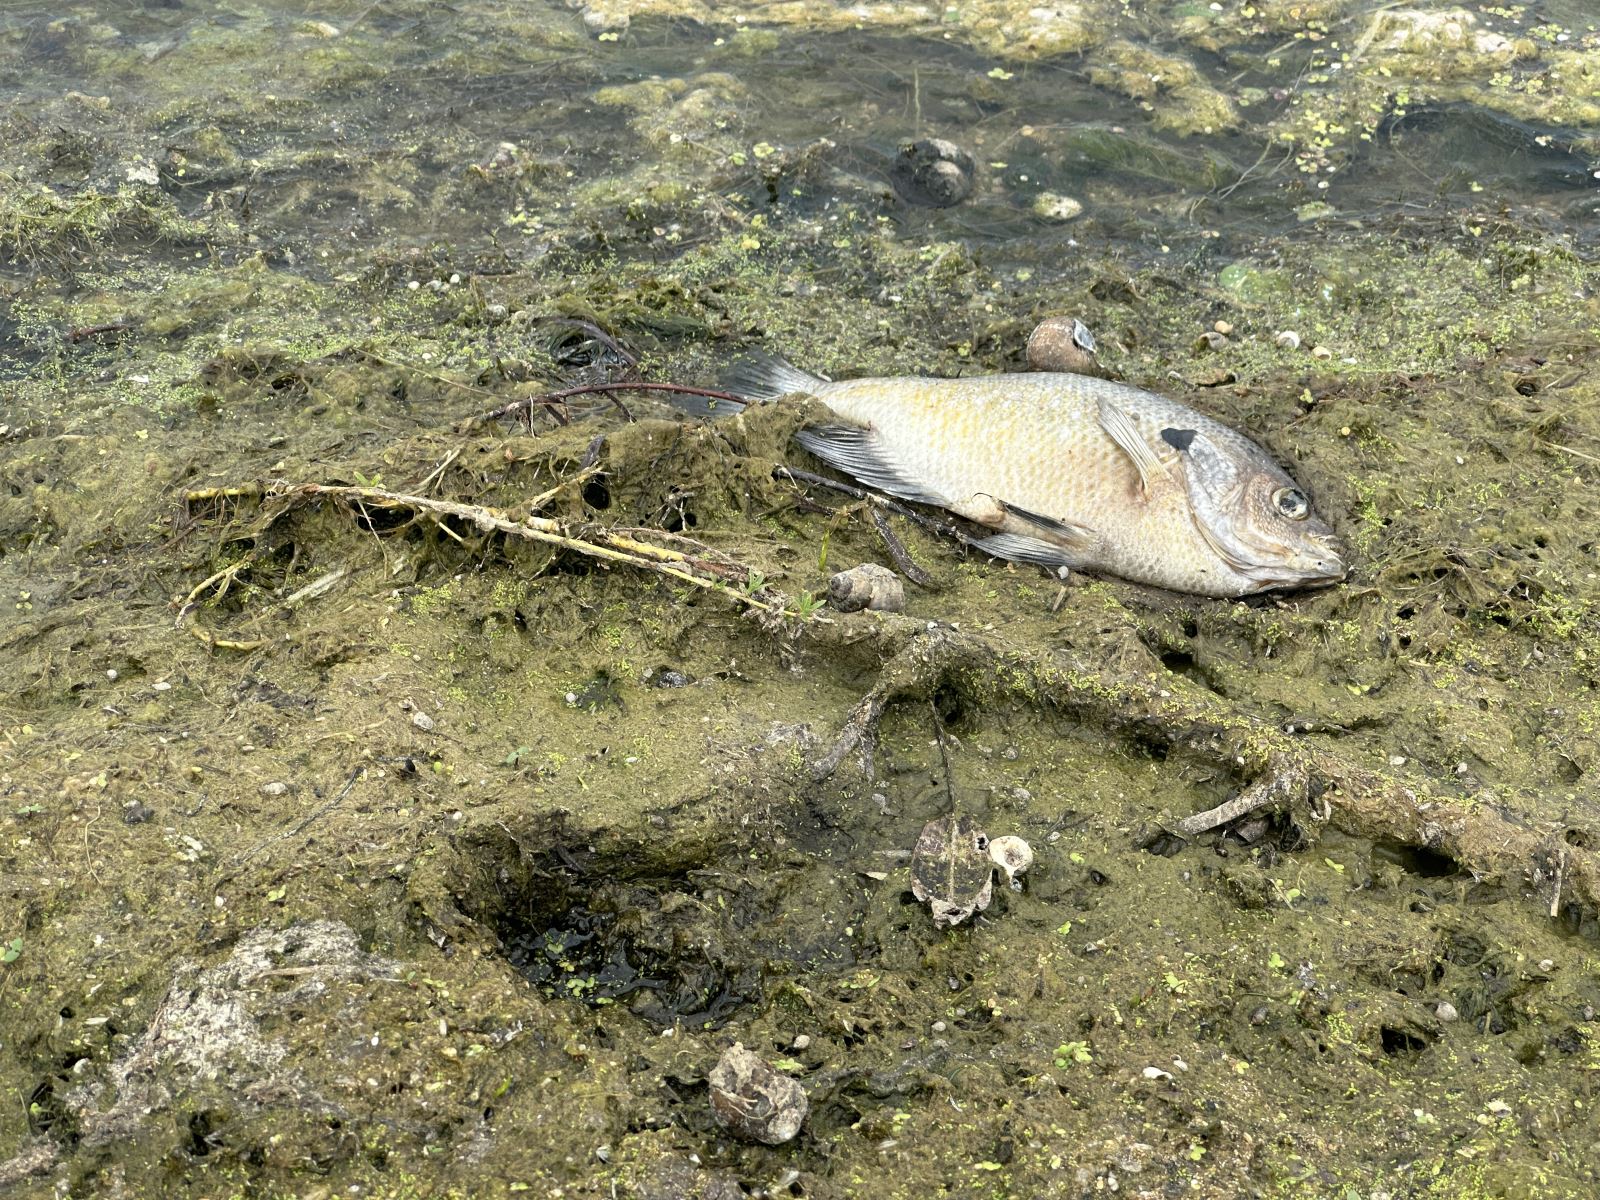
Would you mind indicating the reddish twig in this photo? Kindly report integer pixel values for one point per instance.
(84, 332)
(553, 398)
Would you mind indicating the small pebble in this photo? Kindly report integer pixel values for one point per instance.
(136, 812)
(275, 789)
(112, 674)
(1446, 1011)
(802, 1042)
(1156, 1073)
(939, 1027)
(1053, 206)
(1223, 327)
(754, 1101)
(1547, 965)
(1321, 352)
(161, 686)
(423, 721)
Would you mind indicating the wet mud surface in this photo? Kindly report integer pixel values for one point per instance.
(359, 847)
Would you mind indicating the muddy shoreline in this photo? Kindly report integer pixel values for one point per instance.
(355, 848)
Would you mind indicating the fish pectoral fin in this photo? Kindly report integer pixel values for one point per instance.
(1073, 537)
(1014, 547)
(1122, 430)
(861, 453)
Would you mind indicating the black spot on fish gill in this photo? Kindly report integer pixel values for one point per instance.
(1178, 439)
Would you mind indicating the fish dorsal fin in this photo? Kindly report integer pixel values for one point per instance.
(862, 453)
(1122, 430)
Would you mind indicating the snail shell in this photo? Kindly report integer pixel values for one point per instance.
(1012, 855)
(1064, 344)
(867, 586)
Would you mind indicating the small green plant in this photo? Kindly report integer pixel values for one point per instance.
(807, 606)
(755, 582)
(1070, 1053)
(12, 951)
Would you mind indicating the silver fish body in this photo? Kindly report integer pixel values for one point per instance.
(1075, 471)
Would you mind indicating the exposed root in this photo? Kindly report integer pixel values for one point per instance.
(1283, 770)
(1284, 785)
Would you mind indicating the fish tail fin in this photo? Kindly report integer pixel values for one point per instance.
(759, 376)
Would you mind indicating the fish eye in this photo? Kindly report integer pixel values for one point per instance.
(1292, 503)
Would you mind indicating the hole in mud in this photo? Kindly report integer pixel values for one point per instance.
(200, 1134)
(596, 494)
(1578, 838)
(592, 957)
(1527, 386)
(1179, 662)
(1416, 860)
(1398, 1041)
(947, 702)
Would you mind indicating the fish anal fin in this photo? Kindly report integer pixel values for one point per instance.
(860, 452)
(1124, 431)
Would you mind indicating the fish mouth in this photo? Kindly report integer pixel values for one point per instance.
(1320, 565)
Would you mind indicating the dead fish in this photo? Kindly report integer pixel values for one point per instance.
(1072, 471)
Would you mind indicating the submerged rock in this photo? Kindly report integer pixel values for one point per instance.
(933, 173)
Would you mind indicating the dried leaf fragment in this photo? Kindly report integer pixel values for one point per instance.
(951, 871)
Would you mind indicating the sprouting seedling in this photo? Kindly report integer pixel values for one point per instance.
(12, 951)
(1069, 1053)
(754, 583)
(807, 606)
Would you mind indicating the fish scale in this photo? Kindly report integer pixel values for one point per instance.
(1031, 456)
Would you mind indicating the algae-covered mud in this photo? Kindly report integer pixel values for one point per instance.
(402, 801)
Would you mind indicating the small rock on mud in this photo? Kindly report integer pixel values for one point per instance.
(752, 1100)
(1012, 855)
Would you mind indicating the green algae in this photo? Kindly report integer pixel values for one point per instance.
(201, 804)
